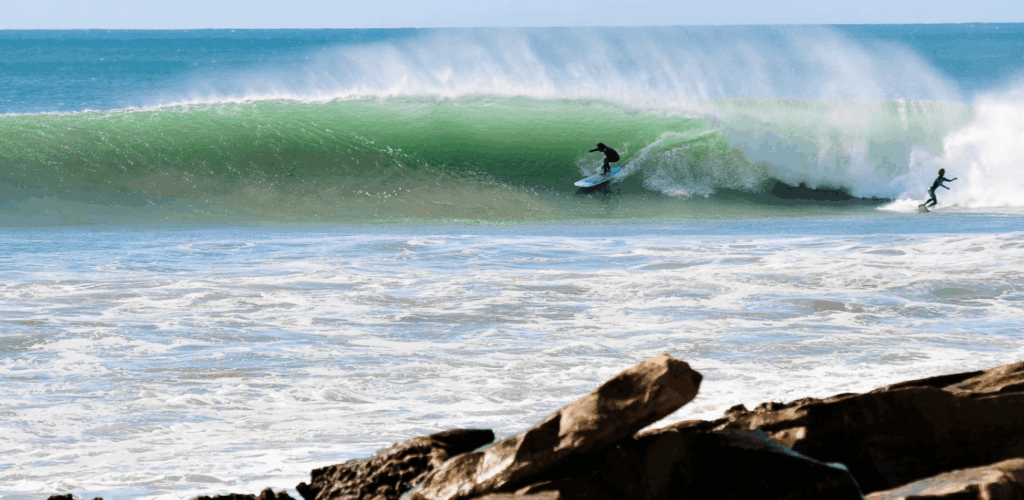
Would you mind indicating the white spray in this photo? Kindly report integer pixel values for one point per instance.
(986, 156)
(659, 67)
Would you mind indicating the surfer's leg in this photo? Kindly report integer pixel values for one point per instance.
(931, 200)
(607, 166)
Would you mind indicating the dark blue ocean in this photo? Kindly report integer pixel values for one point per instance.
(228, 257)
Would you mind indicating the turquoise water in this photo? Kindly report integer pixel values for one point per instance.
(428, 159)
(230, 257)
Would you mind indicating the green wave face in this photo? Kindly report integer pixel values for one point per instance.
(410, 159)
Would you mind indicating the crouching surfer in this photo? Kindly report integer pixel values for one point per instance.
(936, 185)
(610, 156)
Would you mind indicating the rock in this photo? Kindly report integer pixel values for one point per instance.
(1001, 379)
(547, 495)
(688, 461)
(392, 471)
(619, 408)
(266, 494)
(67, 496)
(746, 464)
(903, 432)
(1000, 481)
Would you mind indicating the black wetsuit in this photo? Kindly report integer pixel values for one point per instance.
(931, 191)
(610, 156)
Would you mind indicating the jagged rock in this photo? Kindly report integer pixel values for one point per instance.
(1000, 481)
(903, 432)
(392, 471)
(688, 461)
(67, 496)
(1001, 379)
(545, 495)
(620, 407)
(746, 464)
(266, 494)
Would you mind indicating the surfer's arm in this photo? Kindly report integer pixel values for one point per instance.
(593, 150)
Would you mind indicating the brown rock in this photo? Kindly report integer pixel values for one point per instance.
(266, 494)
(691, 462)
(1001, 379)
(546, 495)
(1000, 481)
(392, 471)
(746, 464)
(617, 409)
(906, 431)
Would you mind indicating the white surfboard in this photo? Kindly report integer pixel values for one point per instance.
(923, 209)
(598, 179)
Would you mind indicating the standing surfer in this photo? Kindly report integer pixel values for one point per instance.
(936, 185)
(610, 156)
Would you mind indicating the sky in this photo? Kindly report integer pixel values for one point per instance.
(198, 14)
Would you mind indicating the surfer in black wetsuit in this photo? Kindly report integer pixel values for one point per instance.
(610, 156)
(936, 185)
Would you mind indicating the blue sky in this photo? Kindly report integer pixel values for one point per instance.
(182, 14)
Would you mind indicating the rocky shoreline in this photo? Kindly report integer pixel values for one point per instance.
(958, 436)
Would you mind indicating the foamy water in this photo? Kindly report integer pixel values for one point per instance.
(167, 363)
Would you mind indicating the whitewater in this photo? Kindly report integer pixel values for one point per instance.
(228, 257)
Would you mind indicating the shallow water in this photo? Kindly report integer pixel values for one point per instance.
(166, 363)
